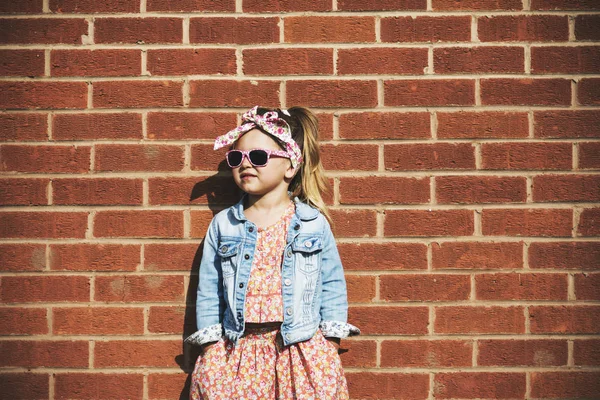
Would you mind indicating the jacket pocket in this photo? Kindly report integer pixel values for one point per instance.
(228, 251)
(307, 249)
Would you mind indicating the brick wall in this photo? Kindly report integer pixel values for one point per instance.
(461, 139)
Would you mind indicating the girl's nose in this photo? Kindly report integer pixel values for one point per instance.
(246, 161)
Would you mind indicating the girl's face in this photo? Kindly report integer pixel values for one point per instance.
(258, 181)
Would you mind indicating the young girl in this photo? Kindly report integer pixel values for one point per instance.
(272, 302)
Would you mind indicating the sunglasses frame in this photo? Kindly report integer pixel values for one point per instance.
(246, 154)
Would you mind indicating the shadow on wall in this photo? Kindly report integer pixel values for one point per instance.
(221, 192)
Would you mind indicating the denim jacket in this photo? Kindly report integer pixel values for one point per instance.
(313, 283)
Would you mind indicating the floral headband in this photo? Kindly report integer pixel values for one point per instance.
(270, 123)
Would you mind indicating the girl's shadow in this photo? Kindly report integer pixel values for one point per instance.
(220, 192)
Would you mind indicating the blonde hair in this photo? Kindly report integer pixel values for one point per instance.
(310, 181)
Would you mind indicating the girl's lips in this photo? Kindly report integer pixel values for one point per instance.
(247, 176)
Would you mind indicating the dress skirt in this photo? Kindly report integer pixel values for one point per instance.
(261, 368)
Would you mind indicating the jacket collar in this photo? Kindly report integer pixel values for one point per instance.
(303, 211)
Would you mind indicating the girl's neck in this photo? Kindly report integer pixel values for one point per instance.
(266, 209)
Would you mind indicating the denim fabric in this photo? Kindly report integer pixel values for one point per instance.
(313, 284)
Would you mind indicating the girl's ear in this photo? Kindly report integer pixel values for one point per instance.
(291, 172)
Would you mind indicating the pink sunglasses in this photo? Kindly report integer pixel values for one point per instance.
(257, 157)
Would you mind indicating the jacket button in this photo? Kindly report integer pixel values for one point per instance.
(289, 252)
(287, 336)
(224, 249)
(251, 229)
(287, 282)
(288, 311)
(241, 285)
(296, 227)
(246, 256)
(308, 244)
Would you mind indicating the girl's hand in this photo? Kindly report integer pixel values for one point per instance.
(204, 347)
(334, 341)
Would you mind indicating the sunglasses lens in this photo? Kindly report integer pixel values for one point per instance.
(234, 158)
(259, 157)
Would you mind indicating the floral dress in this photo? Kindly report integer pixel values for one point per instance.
(259, 366)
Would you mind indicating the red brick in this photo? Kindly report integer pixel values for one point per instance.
(586, 352)
(477, 255)
(168, 386)
(144, 288)
(424, 287)
(98, 385)
(388, 385)
(55, 353)
(26, 192)
(325, 126)
(589, 155)
(136, 353)
(565, 384)
(262, 6)
(548, 188)
(337, 93)
(95, 62)
(191, 61)
(388, 125)
(138, 94)
(422, 223)
(432, 92)
(22, 257)
(361, 353)
(587, 286)
(383, 256)
(564, 319)
(144, 224)
(384, 320)
(361, 288)
(469, 5)
(517, 286)
(138, 30)
(38, 225)
(534, 92)
(23, 321)
(97, 126)
(527, 156)
(588, 92)
(21, 7)
(191, 5)
(589, 222)
(43, 95)
(45, 159)
(22, 63)
(476, 385)
(585, 5)
(94, 257)
(171, 256)
(23, 127)
(388, 61)
(480, 189)
(344, 157)
(139, 157)
(167, 320)
(222, 93)
(479, 320)
(567, 124)
(384, 190)
(54, 288)
(42, 30)
(234, 30)
(97, 321)
(381, 5)
(354, 223)
(426, 29)
(317, 29)
(461, 60)
(527, 222)
(192, 125)
(565, 255)
(200, 219)
(565, 60)
(586, 27)
(426, 353)
(482, 125)
(204, 158)
(27, 385)
(201, 190)
(100, 191)
(511, 353)
(439, 156)
(523, 28)
(297, 61)
(91, 6)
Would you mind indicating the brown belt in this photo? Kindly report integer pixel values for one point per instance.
(261, 328)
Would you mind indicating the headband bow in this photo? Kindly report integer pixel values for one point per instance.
(270, 123)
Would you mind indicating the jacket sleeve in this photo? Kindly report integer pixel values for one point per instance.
(210, 303)
(334, 298)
